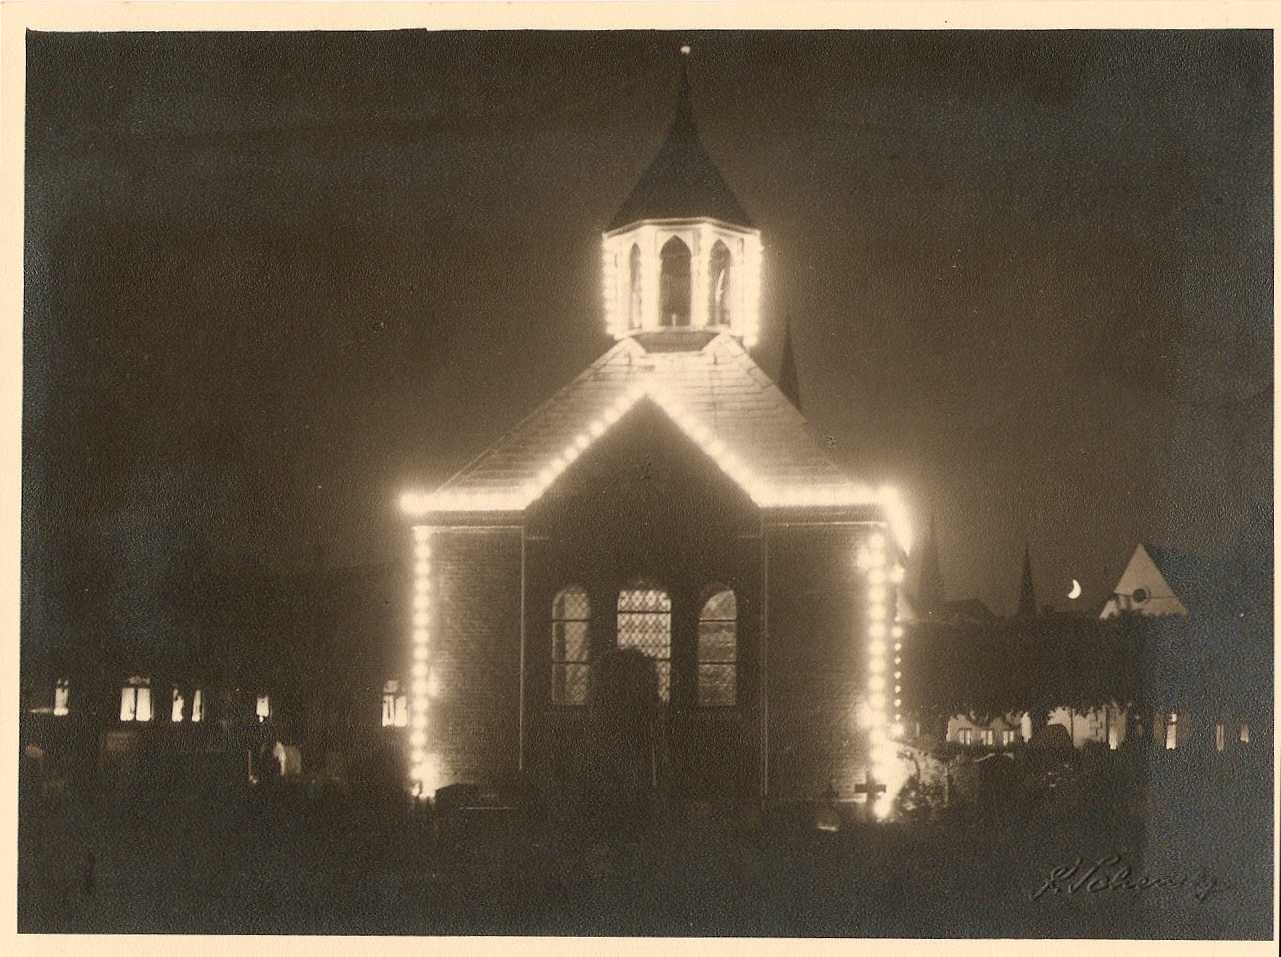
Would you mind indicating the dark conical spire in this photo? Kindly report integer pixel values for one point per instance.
(788, 380)
(1027, 594)
(682, 182)
(929, 590)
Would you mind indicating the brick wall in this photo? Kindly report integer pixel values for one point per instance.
(817, 646)
(474, 723)
(644, 503)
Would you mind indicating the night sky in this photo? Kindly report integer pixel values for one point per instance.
(272, 280)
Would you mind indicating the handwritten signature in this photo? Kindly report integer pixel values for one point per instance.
(1111, 874)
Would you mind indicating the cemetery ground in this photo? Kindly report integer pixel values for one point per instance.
(302, 862)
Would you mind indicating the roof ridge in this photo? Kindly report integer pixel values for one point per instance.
(767, 383)
(601, 360)
(736, 414)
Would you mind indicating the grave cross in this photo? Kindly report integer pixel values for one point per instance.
(869, 787)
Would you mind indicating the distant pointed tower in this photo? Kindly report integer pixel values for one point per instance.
(681, 255)
(1027, 594)
(929, 589)
(788, 381)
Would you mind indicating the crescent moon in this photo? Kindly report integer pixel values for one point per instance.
(1076, 589)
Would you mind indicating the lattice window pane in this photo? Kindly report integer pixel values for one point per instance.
(570, 641)
(717, 685)
(571, 604)
(571, 646)
(718, 650)
(645, 623)
(663, 670)
(644, 599)
(569, 683)
(717, 641)
(722, 606)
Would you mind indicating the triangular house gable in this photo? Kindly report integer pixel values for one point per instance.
(1143, 589)
(717, 396)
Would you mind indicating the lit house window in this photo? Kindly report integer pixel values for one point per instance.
(1244, 734)
(988, 736)
(1008, 738)
(395, 706)
(262, 707)
(718, 650)
(645, 623)
(61, 696)
(135, 700)
(571, 612)
(965, 736)
(1171, 731)
(183, 708)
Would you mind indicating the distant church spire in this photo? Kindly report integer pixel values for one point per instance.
(1027, 593)
(929, 591)
(788, 381)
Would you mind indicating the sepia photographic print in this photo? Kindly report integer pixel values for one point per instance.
(645, 480)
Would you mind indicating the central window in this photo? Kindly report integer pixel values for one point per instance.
(645, 623)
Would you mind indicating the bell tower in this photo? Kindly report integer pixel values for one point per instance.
(681, 255)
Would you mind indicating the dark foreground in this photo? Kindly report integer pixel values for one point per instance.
(297, 866)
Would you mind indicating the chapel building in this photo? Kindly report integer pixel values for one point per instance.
(671, 499)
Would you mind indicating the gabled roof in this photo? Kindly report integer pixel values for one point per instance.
(968, 609)
(717, 396)
(682, 182)
(1171, 582)
(1191, 577)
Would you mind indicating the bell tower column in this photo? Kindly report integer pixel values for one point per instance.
(651, 264)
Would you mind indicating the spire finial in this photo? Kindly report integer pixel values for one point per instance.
(684, 104)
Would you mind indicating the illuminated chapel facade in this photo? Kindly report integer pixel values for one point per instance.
(671, 500)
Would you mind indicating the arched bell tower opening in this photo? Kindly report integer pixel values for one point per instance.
(674, 283)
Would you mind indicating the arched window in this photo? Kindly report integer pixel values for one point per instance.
(674, 283)
(571, 612)
(720, 286)
(645, 623)
(634, 287)
(718, 650)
